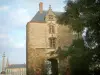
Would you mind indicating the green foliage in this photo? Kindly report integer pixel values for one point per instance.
(30, 71)
(80, 58)
(76, 46)
(78, 15)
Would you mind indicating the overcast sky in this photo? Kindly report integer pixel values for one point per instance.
(14, 15)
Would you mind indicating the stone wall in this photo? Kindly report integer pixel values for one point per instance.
(37, 35)
(65, 36)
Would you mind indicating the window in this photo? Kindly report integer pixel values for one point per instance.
(50, 17)
(7, 71)
(52, 42)
(51, 29)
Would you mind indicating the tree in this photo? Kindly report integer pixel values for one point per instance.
(82, 14)
(80, 58)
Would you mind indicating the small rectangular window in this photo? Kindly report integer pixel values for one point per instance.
(50, 17)
(51, 29)
(52, 42)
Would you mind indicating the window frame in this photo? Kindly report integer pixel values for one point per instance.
(51, 28)
(52, 42)
(50, 17)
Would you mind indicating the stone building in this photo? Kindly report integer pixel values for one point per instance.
(16, 69)
(3, 64)
(43, 37)
(12, 69)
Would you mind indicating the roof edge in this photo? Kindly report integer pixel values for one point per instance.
(35, 22)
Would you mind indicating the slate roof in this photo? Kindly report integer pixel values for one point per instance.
(17, 66)
(40, 17)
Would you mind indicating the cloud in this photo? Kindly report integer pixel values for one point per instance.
(4, 43)
(0, 56)
(11, 42)
(19, 43)
(3, 40)
(19, 17)
(3, 8)
(2, 36)
(17, 56)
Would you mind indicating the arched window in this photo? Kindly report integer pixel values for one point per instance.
(52, 42)
(51, 29)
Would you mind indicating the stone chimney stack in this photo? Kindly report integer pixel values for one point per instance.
(41, 7)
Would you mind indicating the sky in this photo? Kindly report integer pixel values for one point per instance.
(14, 15)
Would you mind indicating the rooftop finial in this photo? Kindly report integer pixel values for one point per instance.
(49, 6)
(4, 54)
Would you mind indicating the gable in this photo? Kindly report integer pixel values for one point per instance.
(40, 17)
(50, 16)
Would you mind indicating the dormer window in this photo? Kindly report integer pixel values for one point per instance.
(50, 17)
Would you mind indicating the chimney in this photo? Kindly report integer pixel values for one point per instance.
(41, 7)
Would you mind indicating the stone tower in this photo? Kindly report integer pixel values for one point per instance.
(7, 63)
(44, 36)
(3, 64)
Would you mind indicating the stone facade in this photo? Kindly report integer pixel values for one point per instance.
(38, 37)
(16, 69)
